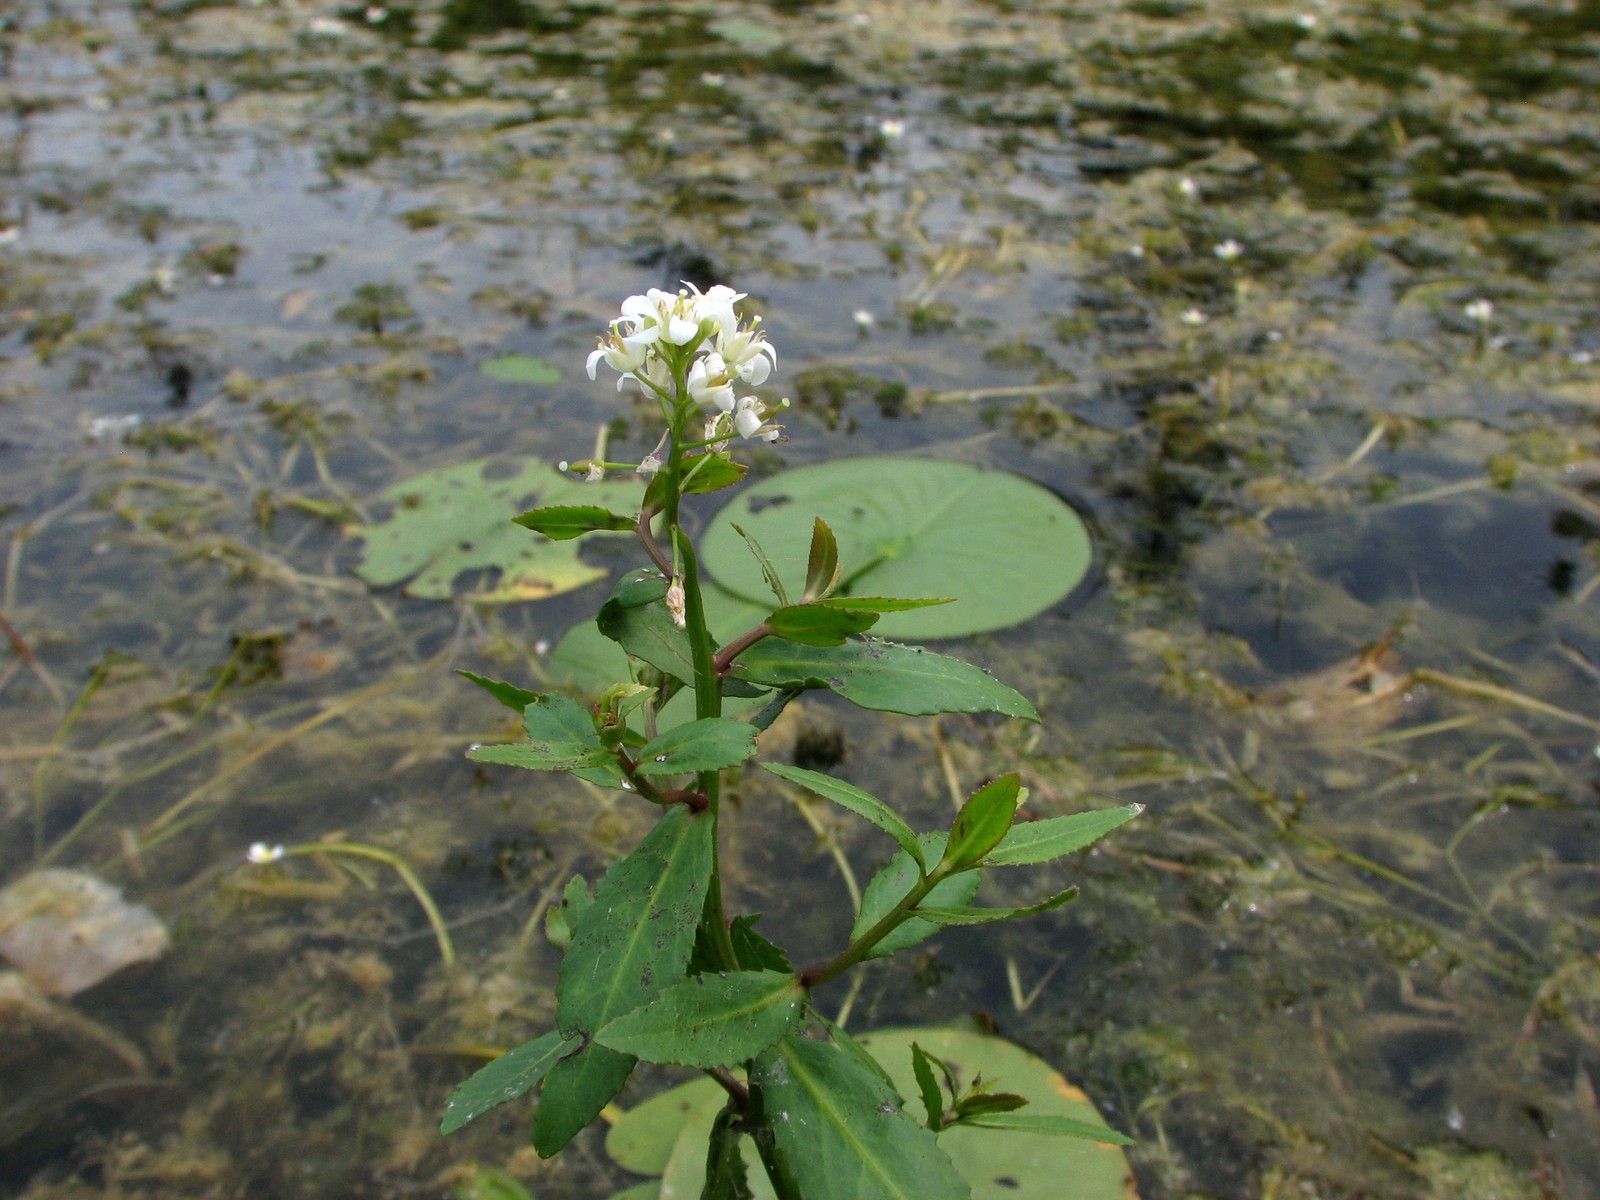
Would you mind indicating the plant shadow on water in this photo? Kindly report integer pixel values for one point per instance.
(1299, 301)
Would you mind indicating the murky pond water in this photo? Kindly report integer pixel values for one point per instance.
(1300, 303)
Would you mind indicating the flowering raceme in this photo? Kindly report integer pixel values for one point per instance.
(694, 337)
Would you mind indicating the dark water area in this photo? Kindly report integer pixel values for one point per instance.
(1300, 304)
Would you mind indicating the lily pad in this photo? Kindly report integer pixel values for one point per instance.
(998, 1164)
(747, 35)
(457, 520)
(1004, 547)
(521, 368)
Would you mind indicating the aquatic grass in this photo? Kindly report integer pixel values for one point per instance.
(339, 847)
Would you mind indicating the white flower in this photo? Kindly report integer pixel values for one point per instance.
(1479, 310)
(1192, 316)
(1307, 21)
(595, 473)
(1188, 188)
(261, 853)
(750, 420)
(376, 15)
(1227, 251)
(708, 382)
(326, 27)
(864, 320)
(748, 355)
(649, 465)
(618, 355)
(892, 128)
(713, 78)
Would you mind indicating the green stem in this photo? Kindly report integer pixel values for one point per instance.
(707, 703)
(860, 947)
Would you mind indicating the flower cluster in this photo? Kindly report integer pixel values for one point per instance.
(698, 333)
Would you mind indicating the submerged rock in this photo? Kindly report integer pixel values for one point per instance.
(68, 930)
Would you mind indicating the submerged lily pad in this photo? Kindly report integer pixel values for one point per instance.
(1004, 547)
(666, 1135)
(521, 368)
(457, 520)
(68, 930)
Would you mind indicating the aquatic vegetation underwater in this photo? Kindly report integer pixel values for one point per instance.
(1294, 303)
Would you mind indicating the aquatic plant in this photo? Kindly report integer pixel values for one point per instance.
(654, 969)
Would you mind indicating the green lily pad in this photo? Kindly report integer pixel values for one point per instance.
(457, 521)
(521, 368)
(998, 1164)
(1004, 547)
(747, 35)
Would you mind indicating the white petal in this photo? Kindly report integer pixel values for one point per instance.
(747, 421)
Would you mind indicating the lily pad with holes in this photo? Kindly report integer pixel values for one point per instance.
(1004, 547)
(666, 1135)
(450, 532)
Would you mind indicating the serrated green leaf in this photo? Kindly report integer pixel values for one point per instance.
(982, 916)
(560, 918)
(561, 737)
(884, 604)
(563, 522)
(767, 572)
(863, 804)
(506, 1078)
(521, 368)
(982, 1103)
(864, 1059)
(819, 624)
(513, 697)
(710, 1020)
(708, 744)
(636, 618)
(881, 676)
(754, 952)
(574, 1092)
(838, 1130)
(932, 1097)
(635, 936)
(538, 758)
(1043, 1123)
(631, 943)
(702, 473)
(982, 822)
(725, 1169)
(890, 885)
(822, 563)
(1052, 837)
